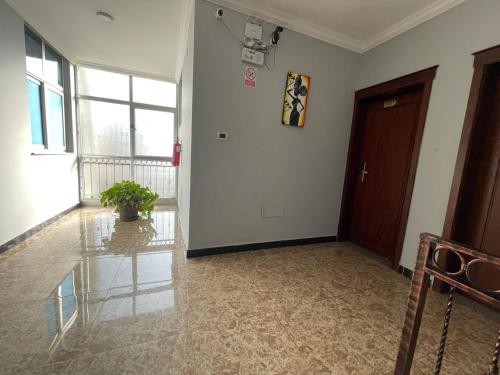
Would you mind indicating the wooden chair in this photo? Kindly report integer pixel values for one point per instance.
(463, 277)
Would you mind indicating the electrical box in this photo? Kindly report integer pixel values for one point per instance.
(252, 56)
(253, 31)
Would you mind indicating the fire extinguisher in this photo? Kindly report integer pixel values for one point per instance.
(176, 158)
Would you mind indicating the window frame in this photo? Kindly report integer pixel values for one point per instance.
(46, 85)
(133, 106)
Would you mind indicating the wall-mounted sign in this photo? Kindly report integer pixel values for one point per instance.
(390, 103)
(250, 79)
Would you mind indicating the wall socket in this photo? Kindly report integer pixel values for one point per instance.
(273, 208)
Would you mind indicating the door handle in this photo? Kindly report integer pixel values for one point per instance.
(364, 171)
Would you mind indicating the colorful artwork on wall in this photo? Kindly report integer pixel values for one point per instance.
(295, 102)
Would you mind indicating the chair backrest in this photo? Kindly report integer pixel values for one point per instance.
(462, 274)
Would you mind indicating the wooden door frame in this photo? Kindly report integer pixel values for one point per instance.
(422, 79)
(482, 59)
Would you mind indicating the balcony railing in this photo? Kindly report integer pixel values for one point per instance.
(99, 173)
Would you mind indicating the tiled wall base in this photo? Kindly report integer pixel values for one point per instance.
(7, 245)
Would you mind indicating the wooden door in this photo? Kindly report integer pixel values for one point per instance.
(478, 212)
(387, 143)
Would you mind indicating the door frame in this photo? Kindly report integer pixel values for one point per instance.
(482, 59)
(422, 79)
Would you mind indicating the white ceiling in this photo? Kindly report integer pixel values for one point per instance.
(357, 25)
(149, 36)
(144, 36)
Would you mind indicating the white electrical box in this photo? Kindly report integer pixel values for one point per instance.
(253, 31)
(252, 56)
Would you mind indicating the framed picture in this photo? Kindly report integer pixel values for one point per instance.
(295, 102)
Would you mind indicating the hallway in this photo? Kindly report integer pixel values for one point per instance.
(91, 295)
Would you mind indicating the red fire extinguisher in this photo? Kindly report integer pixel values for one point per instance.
(176, 158)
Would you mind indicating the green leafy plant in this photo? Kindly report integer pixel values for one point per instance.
(128, 194)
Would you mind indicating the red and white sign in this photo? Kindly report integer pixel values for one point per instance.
(250, 76)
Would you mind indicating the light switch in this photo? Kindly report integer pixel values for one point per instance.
(222, 136)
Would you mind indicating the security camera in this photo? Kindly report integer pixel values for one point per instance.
(219, 13)
(275, 36)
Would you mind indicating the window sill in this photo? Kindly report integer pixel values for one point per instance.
(48, 153)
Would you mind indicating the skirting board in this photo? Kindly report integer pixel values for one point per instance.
(257, 246)
(406, 272)
(7, 245)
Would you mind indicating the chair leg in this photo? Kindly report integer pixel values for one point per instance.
(493, 368)
(444, 334)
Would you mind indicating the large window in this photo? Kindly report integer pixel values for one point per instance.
(45, 94)
(126, 116)
(127, 129)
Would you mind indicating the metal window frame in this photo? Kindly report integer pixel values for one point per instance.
(132, 106)
(45, 85)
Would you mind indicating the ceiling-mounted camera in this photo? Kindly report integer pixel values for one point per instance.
(275, 36)
(219, 13)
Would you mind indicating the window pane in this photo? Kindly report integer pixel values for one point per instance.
(104, 84)
(151, 91)
(154, 135)
(68, 299)
(53, 66)
(33, 53)
(55, 119)
(35, 112)
(105, 128)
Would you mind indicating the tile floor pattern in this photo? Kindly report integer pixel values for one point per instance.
(92, 295)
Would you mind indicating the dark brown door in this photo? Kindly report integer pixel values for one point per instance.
(387, 143)
(478, 213)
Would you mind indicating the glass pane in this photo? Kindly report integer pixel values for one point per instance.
(68, 298)
(53, 66)
(33, 53)
(35, 113)
(105, 128)
(154, 135)
(52, 316)
(151, 91)
(55, 119)
(104, 84)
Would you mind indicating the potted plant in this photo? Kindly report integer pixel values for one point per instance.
(129, 198)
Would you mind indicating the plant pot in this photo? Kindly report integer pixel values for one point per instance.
(128, 213)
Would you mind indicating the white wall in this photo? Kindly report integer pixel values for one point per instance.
(32, 188)
(264, 161)
(448, 41)
(185, 131)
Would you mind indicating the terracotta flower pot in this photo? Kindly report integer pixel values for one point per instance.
(128, 213)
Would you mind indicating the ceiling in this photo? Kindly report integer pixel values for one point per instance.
(145, 36)
(149, 36)
(357, 25)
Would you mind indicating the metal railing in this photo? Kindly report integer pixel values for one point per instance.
(99, 173)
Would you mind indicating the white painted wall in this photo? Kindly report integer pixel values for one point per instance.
(32, 188)
(448, 41)
(185, 131)
(264, 161)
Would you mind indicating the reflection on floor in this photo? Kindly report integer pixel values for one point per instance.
(93, 295)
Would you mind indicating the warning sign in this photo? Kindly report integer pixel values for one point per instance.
(250, 76)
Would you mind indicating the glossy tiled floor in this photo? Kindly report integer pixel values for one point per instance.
(91, 295)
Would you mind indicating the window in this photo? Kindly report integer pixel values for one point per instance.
(35, 105)
(99, 83)
(151, 91)
(46, 92)
(105, 128)
(126, 116)
(127, 127)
